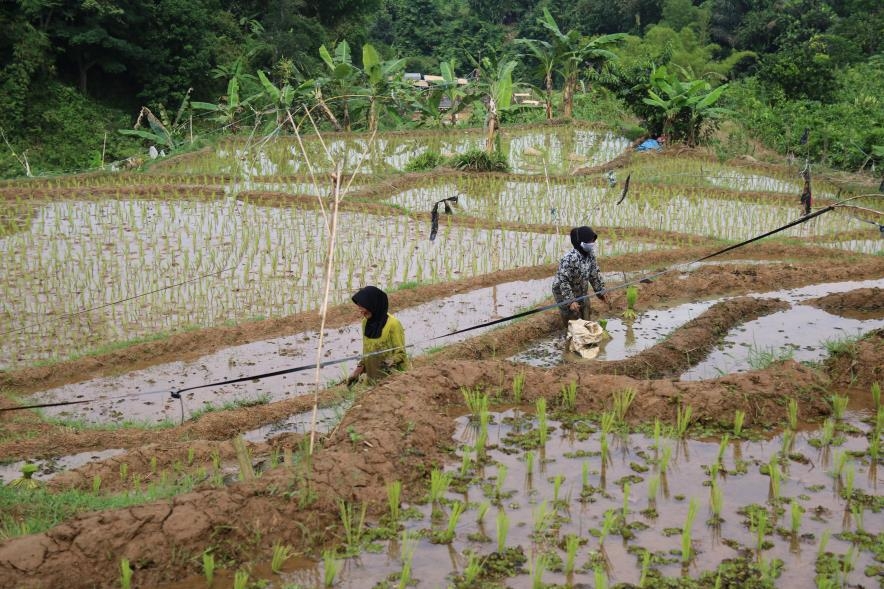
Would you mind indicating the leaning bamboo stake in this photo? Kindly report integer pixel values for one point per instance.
(331, 220)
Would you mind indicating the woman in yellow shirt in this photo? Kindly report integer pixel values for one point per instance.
(383, 338)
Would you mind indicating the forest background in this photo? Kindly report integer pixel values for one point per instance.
(799, 76)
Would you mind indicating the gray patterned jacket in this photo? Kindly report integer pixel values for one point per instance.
(574, 272)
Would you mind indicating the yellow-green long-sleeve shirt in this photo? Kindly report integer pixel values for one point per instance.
(393, 340)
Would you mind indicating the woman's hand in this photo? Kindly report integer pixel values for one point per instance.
(575, 307)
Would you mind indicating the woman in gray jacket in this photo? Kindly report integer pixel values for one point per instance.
(577, 269)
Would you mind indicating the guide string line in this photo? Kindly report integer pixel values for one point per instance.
(176, 393)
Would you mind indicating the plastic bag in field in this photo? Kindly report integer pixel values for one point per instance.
(584, 337)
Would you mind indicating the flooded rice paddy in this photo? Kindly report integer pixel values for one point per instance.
(633, 499)
(212, 263)
(801, 332)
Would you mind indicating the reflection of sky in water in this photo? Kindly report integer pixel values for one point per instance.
(554, 150)
(572, 204)
(802, 329)
(78, 255)
(529, 497)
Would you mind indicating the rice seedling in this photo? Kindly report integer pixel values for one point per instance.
(824, 542)
(792, 414)
(557, 487)
(657, 432)
(584, 475)
(503, 526)
(331, 566)
(624, 509)
(739, 416)
(607, 525)
(96, 484)
(857, 511)
(795, 513)
(722, 446)
(758, 523)
(773, 469)
(683, 420)
(353, 523)
(663, 463)
(538, 567)
(874, 445)
(481, 511)
(281, 553)
(572, 544)
(876, 395)
(453, 518)
(465, 463)
(849, 480)
(394, 494)
(716, 502)
(622, 401)
(839, 405)
(482, 435)
(124, 471)
(839, 461)
(607, 422)
(631, 298)
(477, 402)
(653, 488)
(686, 550)
(472, 569)
(541, 420)
(208, 567)
(569, 396)
(600, 577)
(543, 517)
(125, 574)
(786, 442)
(827, 433)
(603, 445)
(529, 463)
(241, 579)
(407, 548)
(646, 567)
(518, 387)
(500, 481)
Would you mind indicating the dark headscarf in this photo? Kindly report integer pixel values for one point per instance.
(375, 300)
(580, 235)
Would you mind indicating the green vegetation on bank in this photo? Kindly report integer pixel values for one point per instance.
(73, 74)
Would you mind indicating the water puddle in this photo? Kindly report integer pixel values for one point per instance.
(150, 402)
(49, 467)
(570, 487)
(326, 420)
(810, 326)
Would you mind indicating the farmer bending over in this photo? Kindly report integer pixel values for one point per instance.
(577, 268)
(382, 333)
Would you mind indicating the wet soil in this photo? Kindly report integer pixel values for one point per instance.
(404, 426)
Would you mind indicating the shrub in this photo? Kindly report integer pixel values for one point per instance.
(477, 160)
(425, 161)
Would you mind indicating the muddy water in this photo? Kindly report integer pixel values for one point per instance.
(806, 481)
(423, 323)
(49, 468)
(801, 331)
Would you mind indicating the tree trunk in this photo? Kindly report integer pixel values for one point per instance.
(568, 96)
(549, 89)
(327, 110)
(491, 127)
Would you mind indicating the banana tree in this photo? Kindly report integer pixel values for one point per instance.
(228, 109)
(547, 59)
(279, 100)
(382, 78)
(572, 50)
(340, 78)
(684, 106)
(496, 88)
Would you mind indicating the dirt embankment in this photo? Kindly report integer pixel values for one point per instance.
(396, 431)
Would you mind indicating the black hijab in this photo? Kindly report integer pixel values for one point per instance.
(375, 300)
(580, 235)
